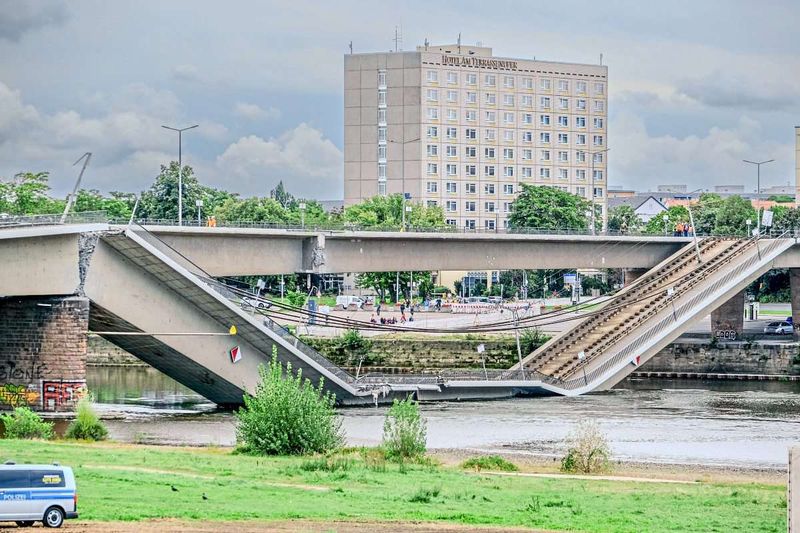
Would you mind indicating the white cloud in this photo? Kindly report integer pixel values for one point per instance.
(255, 112)
(308, 164)
(186, 73)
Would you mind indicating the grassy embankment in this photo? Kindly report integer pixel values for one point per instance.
(126, 482)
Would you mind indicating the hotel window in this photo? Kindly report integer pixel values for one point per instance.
(472, 79)
(527, 100)
(433, 132)
(452, 169)
(433, 113)
(381, 78)
(580, 191)
(544, 84)
(452, 77)
(508, 188)
(451, 150)
(508, 135)
(527, 172)
(598, 175)
(470, 170)
(544, 155)
(527, 154)
(580, 122)
(433, 169)
(527, 83)
(508, 82)
(563, 103)
(544, 137)
(489, 224)
(432, 76)
(563, 85)
(580, 156)
(563, 120)
(563, 174)
(431, 203)
(544, 102)
(580, 87)
(563, 156)
(471, 115)
(599, 106)
(488, 207)
(581, 139)
(563, 138)
(598, 123)
(452, 187)
(491, 98)
(580, 104)
(598, 88)
(491, 135)
(597, 140)
(381, 116)
(527, 118)
(433, 186)
(469, 188)
(382, 171)
(469, 224)
(508, 172)
(508, 153)
(452, 205)
(598, 192)
(508, 118)
(488, 170)
(490, 116)
(452, 133)
(471, 133)
(381, 97)
(506, 209)
(489, 153)
(452, 96)
(452, 114)
(471, 151)
(382, 134)
(490, 80)
(544, 120)
(488, 188)
(469, 207)
(382, 152)
(382, 188)
(450, 221)
(544, 173)
(433, 150)
(598, 158)
(472, 98)
(580, 174)
(432, 95)
(527, 136)
(508, 99)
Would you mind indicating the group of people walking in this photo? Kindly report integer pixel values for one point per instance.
(683, 229)
(407, 305)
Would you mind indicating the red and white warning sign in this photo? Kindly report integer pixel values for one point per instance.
(236, 354)
(636, 360)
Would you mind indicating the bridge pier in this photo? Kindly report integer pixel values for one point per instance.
(629, 275)
(727, 320)
(794, 285)
(43, 351)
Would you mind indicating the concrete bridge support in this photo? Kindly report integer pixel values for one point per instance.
(794, 285)
(629, 275)
(727, 320)
(43, 351)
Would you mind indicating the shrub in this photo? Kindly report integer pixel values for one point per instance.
(490, 462)
(351, 346)
(287, 415)
(588, 451)
(296, 298)
(23, 423)
(87, 425)
(404, 431)
(425, 495)
(530, 339)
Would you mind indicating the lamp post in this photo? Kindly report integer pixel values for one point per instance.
(199, 205)
(758, 189)
(592, 154)
(302, 207)
(180, 168)
(403, 173)
(665, 218)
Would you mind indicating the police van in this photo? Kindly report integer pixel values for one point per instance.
(37, 493)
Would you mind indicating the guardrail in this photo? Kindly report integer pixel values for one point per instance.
(85, 217)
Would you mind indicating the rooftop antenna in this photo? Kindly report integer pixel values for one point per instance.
(426, 43)
(351, 47)
(601, 59)
(71, 198)
(459, 42)
(398, 38)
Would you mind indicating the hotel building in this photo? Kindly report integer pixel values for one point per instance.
(457, 127)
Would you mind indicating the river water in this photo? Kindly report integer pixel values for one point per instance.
(669, 421)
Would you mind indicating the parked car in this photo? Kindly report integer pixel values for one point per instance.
(255, 303)
(779, 328)
(37, 493)
(345, 300)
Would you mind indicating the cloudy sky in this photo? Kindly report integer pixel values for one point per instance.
(695, 86)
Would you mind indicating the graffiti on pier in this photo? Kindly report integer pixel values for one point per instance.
(57, 394)
(11, 371)
(17, 395)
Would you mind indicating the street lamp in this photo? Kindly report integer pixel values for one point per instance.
(302, 207)
(694, 228)
(592, 154)
(758, 190)
(180, 169)
(403, 172)
(665, 218)
(199, 205)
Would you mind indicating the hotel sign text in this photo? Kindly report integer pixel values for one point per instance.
(460, 61)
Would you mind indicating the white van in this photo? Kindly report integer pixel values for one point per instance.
(344, 301)
(37, 493)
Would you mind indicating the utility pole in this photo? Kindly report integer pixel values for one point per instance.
(71, 197)
(758, 190)
(519, 347)
(180, 168)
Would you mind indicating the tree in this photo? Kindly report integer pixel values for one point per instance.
(384, 283)
(27, 194)
(675, 214)
(388, 211)
(732, 215)
(549, 208)
(281, 195)
(624, 219)
(785, 218)
(118, 206)
(252, 209)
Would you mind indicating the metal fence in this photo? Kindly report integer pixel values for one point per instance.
(86, 217)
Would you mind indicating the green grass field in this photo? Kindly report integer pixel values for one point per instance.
(128, 482)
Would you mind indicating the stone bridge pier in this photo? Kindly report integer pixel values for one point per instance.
(43, 352)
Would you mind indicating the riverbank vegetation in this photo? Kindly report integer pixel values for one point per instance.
(127, 482)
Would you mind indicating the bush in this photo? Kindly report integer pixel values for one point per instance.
(87, 425)
(23, 423)
(287, 415)
(588, 451)
(489, 462)
(425, 495)
(404, 431)
(530, 339)
(296, 299)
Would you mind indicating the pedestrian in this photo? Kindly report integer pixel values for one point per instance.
(378, 309)
(402, 318)
(678, 229)
(372, 319)
(439, 304)
(412, 312)
(691, 230)
(402, 308)
(685, 229)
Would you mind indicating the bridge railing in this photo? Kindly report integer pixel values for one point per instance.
(85, 217)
